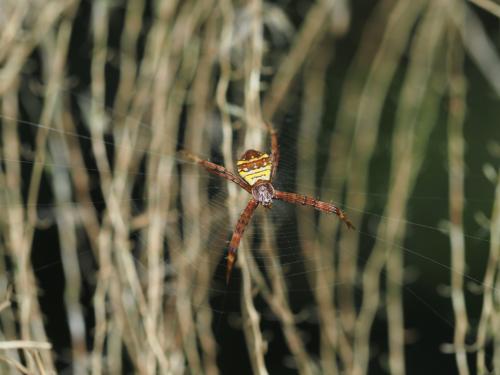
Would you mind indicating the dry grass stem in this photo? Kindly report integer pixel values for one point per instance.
(456, 145)
(488, 5)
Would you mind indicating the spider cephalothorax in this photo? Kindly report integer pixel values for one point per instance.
(256, 170)
(263, 192)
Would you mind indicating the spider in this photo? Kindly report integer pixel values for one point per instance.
(256, 170)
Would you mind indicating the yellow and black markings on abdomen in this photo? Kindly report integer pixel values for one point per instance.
(254, 166)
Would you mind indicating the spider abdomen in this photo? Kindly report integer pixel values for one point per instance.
(254, 166)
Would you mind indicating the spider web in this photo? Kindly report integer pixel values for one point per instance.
(425, 248)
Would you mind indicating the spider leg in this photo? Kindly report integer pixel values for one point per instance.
(319, 205)
(243, 221)
(275, 150)
(216, 169)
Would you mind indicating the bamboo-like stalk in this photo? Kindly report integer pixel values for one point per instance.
(456, 146)
(489, 315)
(251, 318)
(315, 27)
(476, 42)
(41, 19)
(96, 118)
(193, 200)
(488, 5)
(355, 135)
(367, 116)
(279, 304)
(65, 217)
(316, 252)
(409, 142)
(409, 145)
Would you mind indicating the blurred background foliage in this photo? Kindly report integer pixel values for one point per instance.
(112, 245)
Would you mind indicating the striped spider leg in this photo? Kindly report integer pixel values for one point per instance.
(275, 150)
(243, 221)
(218, 170)
(319, 205)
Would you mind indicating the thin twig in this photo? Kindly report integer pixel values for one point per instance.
(24, 344)
(456, 150)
